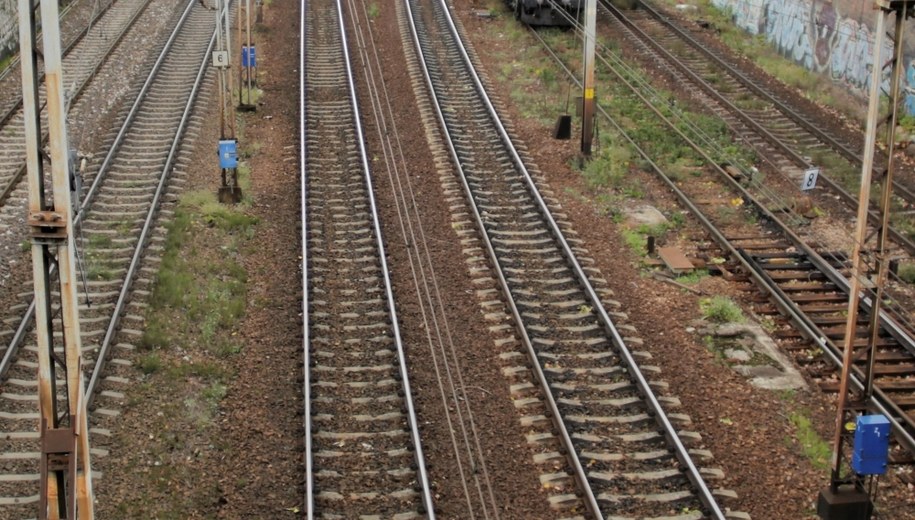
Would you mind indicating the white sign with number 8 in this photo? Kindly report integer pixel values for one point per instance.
(809, 181)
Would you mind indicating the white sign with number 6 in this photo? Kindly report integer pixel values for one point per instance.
(810, 179)
(221, 59)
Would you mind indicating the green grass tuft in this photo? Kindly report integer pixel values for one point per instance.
(812, 446)
(720, 309)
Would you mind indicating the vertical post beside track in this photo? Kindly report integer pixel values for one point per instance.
(65, 477)
(587, 108)
(854, 496)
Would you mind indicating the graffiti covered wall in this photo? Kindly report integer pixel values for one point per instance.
(819, 36)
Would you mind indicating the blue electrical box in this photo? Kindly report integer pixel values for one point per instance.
(248, 56)
(228, 153)
(872, 444)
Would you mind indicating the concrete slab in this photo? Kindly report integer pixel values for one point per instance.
(766, 366)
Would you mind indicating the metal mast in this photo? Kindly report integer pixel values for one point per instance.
(65, 473)
(850, 403)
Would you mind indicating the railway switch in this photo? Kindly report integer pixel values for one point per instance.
(871, 448)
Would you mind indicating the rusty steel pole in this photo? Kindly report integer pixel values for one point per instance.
(886, 196)
(65, 478)
(856, 271)
(847, 406)
(587, 109)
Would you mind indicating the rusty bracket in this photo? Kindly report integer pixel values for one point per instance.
(47, 226)
(58, 457)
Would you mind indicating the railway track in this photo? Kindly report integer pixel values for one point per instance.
(783, 137)
(82, 59)
(118, 219)
(363, 451)
(803, 283)
(600, 431)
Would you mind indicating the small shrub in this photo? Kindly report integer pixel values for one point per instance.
(155, 335)
(635, 241)
(150, 363)
(100, 241)
(692, 277)
(720, 309)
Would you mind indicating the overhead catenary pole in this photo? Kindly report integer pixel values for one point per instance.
(848, 405)
(886, 195)
(587, 110)
(229, 191)
(65, 476)
(250, 48)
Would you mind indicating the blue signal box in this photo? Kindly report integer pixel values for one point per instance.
(228, 153)
(871, 449)
(248, 56)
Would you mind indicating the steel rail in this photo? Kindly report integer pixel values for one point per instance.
(14, 181)
(388, 286)
(96, 182)
(306, 315)
(303, 209)
(692, 471)
(883, 403)
(846, 197)
(844, 150)
(555, 415)
(26, 321)
(887, 320)
(165, 175)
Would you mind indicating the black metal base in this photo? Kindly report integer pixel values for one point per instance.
(845, 504)
(229, 194)
(563, 128)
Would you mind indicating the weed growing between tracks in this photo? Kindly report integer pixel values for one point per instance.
(185, 354)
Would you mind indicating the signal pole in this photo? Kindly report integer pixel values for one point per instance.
(854, 500)
(587, 110)
(65, 472)
(227, 148)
